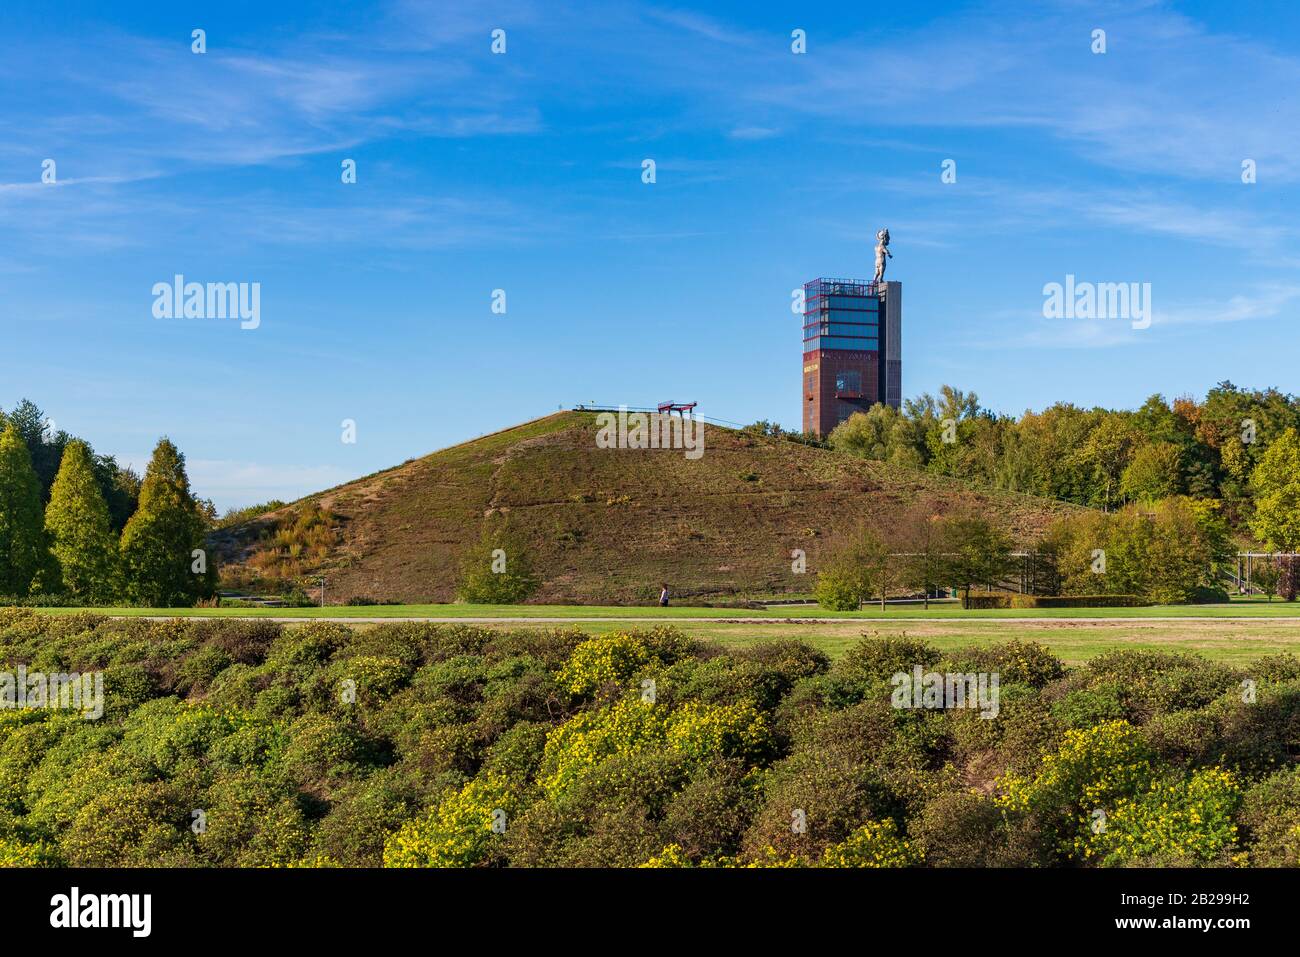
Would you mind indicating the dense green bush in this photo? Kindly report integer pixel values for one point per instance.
(1166, 551)
(496, 572)
(967, 829)
(1175, 821)
(1271, 817)
(228, 743)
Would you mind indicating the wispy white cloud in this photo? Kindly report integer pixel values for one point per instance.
(700, 25)
(752, 133)
(1032, 331)
(1148, 104)
(1267, 301)
(36, 185)
(157, 102)
(1011, 205)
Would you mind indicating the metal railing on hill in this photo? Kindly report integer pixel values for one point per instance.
(1244, 578)
(798, 437)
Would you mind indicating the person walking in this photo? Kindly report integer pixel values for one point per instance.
(663, 596)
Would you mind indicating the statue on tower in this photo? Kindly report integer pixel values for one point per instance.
(882, 251)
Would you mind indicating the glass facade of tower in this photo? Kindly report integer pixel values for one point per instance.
(841, 315)
(847, 327)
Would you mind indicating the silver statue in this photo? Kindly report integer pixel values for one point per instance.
(882, 250)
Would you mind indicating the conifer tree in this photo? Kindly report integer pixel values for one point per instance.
(159, 542)
(80, 535)
(23, 552)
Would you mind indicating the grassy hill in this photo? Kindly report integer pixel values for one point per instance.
(597, 525)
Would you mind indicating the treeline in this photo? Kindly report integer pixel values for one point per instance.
(1173, 551)
(1169, 552)
(80, 528)
(118, 484)
(1101, 458)
(1174, 483)
(921, 553)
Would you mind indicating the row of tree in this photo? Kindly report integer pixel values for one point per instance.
(1169, 552)
(119, 484)
(921, 554)
(66, 543)
(1101, 458)
(1174, 482)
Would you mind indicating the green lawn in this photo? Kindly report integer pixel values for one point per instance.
(1074, 634)
(1233, 642)
(1243, 608)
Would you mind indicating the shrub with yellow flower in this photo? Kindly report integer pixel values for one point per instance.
(458, 832)
(1189, 819)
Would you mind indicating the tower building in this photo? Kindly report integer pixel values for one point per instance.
(852, 349)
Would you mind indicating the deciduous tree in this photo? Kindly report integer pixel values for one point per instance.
(1276, 482)
(976, 552)
(1154, 473)
(858, 567)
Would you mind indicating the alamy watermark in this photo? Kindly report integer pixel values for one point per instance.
(932, 689)
(130, 911)
(215, 300)
(71, 691)
(650, 430)
(1098, 300)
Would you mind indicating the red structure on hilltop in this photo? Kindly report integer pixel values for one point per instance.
(678, 407)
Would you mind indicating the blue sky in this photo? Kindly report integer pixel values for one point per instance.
(522, 172)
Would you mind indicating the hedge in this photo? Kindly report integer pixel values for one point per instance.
(990, 599)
